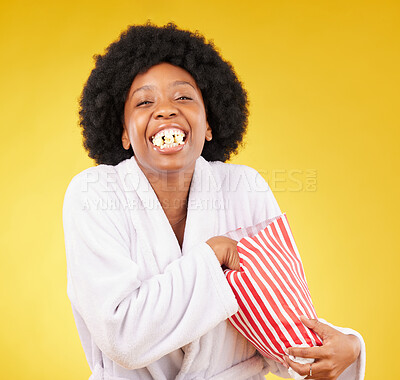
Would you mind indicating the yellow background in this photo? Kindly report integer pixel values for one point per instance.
(323, 81)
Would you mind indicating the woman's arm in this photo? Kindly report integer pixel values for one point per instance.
(136, 321)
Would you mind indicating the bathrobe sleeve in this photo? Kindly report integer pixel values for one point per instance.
(135, 322)
(266, 207)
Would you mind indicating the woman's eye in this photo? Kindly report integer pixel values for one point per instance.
(144, 102)
(184, 98)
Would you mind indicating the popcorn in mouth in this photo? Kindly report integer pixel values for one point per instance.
(168, 138)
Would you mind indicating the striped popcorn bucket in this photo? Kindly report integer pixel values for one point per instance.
(271, 289)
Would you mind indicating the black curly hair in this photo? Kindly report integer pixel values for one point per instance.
(139, 48)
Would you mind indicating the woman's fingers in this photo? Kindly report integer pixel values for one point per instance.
(323, 330)
(233, 259)
(318, 370)
(307, 352)
(226, 251)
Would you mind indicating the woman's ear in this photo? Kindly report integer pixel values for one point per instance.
(208, 133)
(125, 139)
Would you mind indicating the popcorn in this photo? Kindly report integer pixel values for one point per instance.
(158, 140)
(168, 138)
(179, 138)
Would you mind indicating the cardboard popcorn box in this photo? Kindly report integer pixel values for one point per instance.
(271, 289)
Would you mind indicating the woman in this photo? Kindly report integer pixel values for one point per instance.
(160, 113)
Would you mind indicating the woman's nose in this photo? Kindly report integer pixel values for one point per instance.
(165, 111)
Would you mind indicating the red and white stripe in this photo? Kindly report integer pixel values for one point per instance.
(272, 291)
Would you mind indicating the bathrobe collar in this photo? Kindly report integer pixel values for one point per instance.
(203, 204)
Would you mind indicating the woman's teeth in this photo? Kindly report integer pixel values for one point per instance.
(168, 138)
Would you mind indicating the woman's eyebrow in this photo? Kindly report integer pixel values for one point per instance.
(180, 82)
(173, 84)
(146, 87)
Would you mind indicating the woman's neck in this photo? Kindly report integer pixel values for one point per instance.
(172, 190)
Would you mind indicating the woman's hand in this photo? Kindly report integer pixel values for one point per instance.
(226, 251)
(332, 358)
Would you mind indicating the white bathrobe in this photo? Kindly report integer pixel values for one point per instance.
(144, 308)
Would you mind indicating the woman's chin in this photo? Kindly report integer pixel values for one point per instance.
(174, 164)
(165, 164)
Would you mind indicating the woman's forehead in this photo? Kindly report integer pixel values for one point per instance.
(163, 75)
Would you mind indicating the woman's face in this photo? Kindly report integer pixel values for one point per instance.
(165, 120)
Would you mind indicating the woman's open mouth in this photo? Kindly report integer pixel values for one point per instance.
(171, 139)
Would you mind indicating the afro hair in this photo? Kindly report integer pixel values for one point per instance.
(139, 48)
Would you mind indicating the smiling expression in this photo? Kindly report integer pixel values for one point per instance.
(165, 120)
